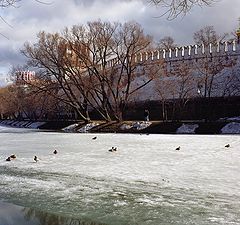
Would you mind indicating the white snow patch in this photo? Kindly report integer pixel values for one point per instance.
(187, 129)
(141, 125)
(136, 125)
(125, 126)
(87, 127)
(231, 128)
(70, 128)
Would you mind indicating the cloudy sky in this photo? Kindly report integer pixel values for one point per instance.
(31, 17)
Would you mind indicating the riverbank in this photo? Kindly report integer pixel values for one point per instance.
(224, 126)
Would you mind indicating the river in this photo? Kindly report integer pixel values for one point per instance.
(145, 182)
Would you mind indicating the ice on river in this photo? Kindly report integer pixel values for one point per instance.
(146, 181)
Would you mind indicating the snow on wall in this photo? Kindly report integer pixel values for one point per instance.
(231, 128)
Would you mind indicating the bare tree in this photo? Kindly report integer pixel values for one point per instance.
(180, 85)
(210, 67)
(211, 74)
(12, 3)
(175, 8)
(112, 66)
(167, 42)
(207, 35)
(92, 66)
(8, 108)
(4, 4)
(231, 83)
(49, 56)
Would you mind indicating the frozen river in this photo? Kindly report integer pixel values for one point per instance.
(145, 182)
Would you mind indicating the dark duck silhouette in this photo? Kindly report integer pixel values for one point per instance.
(227, 146)
(8, 159)
(55, 151)
(35, 158)
(94, 138)
(13, 156)
(113, 149)
(178, 148)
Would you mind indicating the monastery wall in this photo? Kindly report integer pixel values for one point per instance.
(210, 71)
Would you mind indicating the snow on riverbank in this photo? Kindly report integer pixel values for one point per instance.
(87, 127)
(231, 128)
(70, 128)
(136, 125)
(22, 124)
(187, 129)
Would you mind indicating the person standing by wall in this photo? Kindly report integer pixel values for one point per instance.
(146, 115)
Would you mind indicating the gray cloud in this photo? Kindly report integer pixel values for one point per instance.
(31, 17)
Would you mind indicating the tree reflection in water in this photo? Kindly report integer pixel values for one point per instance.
(45, 218)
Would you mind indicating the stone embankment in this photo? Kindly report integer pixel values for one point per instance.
(224, 126)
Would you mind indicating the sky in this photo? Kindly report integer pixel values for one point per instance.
(22, 23)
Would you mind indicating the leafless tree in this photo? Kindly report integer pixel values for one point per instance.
(175, 8)
(208, 35)
(211, 74)
(167, 42)
(92, 66)
(12, 3)
(180, 84)
(210, 66)
(231, 83)
(112, 66)
(49, 56)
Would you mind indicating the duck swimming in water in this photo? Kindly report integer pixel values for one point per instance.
(178, 148)
(113, 149)
(13, 156)
(8, 159)
(227, 146)
(55, 151)
(35, 158)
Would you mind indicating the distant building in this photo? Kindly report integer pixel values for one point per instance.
(23, 77)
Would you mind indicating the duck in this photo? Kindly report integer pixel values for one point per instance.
(13, 156)
(55, 151)
(113, 149)
(178, 148)
(227, 146)
(94, 138)
(8, 159)
(35, 158)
